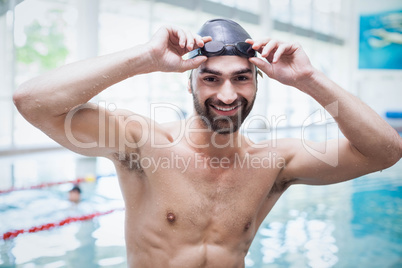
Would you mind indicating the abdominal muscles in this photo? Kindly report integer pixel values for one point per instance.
(181, 239)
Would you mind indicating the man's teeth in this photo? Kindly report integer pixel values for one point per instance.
(225, 109)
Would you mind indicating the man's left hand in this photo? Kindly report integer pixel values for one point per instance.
(284, 62)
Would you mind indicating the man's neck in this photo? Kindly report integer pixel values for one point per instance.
(210, 143)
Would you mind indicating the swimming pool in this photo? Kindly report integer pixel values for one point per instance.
(352, 224)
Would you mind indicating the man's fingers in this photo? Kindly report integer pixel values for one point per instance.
(186, 39)
(272, 46)
(264, 66)
(250, 41)
(181, 36)
(198, 41)
(271, 49)
(259, 44)
(192, 63)
(281, 49)
(206, 39)
(190, 40)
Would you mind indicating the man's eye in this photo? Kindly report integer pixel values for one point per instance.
(242, 78)
(210, 79)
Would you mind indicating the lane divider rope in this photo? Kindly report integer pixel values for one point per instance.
(15, 233)
(42, 185)
(49, 184)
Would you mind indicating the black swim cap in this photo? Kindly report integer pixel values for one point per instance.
(76, 188)
(226, 32)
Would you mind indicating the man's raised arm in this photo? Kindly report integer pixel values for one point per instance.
(56, 102)
(371, 144)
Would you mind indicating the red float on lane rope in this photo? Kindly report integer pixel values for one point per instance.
(15, 233)
(49, 184)
(43, 185)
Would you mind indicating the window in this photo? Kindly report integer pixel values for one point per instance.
(46, 34)
(44, 39)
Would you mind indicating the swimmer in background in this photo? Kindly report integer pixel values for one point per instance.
(74, 195)
(204, 210)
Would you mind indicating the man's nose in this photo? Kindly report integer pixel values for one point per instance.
(227, 93)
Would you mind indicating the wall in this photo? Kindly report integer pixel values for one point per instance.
(379, 87)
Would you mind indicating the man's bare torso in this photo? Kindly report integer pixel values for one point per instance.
(186, 208)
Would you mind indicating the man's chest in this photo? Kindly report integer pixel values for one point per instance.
(190, 190)
(211, 185)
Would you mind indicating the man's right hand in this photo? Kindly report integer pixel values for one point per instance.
(169, 44)
(56, 101)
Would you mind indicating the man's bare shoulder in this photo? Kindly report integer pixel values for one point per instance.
(174, 128)
(136, 135)
(284, 147)
(281, 152)
(143, 128)
(275, 156)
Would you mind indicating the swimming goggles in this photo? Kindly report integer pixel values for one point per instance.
(218, 48)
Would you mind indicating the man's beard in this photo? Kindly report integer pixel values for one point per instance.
(219, 123)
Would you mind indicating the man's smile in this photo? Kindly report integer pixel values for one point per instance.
(225, 110)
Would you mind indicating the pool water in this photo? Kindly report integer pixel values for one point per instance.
(353, 224)
(93, 243)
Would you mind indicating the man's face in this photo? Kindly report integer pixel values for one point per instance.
(224, 89)
(74, 196)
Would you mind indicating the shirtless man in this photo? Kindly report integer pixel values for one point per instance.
(203, 207)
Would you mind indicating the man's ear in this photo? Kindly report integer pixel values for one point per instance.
(190, 80)
(189, 89)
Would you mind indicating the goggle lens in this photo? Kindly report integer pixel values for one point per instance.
(245, 48)
(215, 48)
